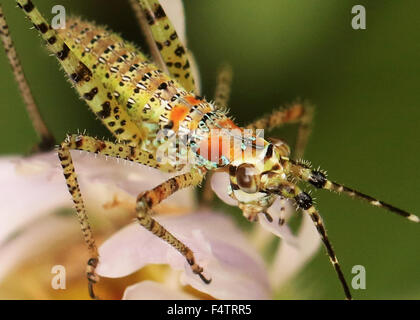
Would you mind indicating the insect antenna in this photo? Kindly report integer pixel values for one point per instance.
(319, 179)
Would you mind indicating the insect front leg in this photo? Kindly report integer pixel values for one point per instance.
(47, 139)
(297, 112)
(85, 143)
(147, 200)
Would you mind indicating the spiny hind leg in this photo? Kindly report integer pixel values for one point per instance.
(47, 139)
(298, 112)
(164, 36)
(85, 143)
(147, 200)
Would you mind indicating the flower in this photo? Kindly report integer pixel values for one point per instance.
(109, 188)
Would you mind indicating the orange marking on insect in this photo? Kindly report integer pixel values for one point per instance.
(178, 113)
(217, 146)
(192, 100)
(228, 124)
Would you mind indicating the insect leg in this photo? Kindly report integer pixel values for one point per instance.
(147, 200)
(319, 179)
(165, 37)
(47, 139)
(223, 85)
(297, 112)
(304, 202)
(85, 143)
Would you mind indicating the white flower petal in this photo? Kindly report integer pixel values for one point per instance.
(150, 290)
(236, 270)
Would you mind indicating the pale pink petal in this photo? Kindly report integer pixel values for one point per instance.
(236, 270)
(35, 186)
(220, 183)
(150, 290)
(280, 210)
(290, 259)
(39, 236)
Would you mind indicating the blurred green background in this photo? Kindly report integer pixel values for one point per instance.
(365, 84)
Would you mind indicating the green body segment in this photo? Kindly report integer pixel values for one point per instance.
(124, 71)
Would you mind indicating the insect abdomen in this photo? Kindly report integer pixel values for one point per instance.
(138, 85)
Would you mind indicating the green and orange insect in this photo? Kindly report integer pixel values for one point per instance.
(137, 100)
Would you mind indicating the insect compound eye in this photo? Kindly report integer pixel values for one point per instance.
(248, 178)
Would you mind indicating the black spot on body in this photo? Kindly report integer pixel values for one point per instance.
(42, 27)
(186, 66)
(169, 125)
(52, 40)
(82, 73)
(119, 131)
(91, 94)
(64, 53)
(105, 112)
(179, 51)
(159, 12)
(163, 86)
(28, 7)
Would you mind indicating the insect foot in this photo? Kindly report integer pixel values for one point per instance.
(92, 277)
